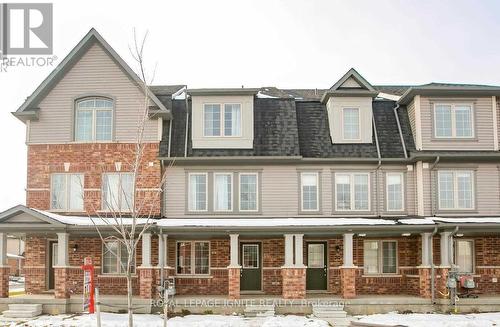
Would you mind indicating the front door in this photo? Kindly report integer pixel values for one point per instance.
(251, 267)
(52, 262)
(316, 274)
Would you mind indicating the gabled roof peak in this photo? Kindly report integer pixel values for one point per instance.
(353, 75)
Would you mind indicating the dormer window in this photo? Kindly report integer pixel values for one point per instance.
(453, 120)
(226, 123)
(350, 123)
(94, 120)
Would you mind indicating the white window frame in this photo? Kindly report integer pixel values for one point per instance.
(120, 195)
(189, 192)
(455, 189)
(380, 257)
(352, 191)
(473, 254)
(118, 259)
(256, 191)
(243, 252)
(94, 119)
(316, 174)
(231, 203)
(67, 190)
(222, 119)
(453, 106)
(359, 124)
(193, 257)
(402, 175)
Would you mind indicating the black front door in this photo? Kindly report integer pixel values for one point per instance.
(251, 267)
(316, 274)
(52, 261)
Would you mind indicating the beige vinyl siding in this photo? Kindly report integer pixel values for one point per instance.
(498, 117)
(280, 190)
(408, 190)
(411, 117)
(486, 190)
(94, 74)
(483, 128)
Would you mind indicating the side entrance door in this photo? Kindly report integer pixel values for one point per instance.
(52, 261)
(316, 273)
(251, 267)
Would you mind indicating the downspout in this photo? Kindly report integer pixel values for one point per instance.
(451, 257)
(395, 110)
(169, 136)
(378, 166)
(433, 188)
(187, 123)
(433, 272)
(162, 266)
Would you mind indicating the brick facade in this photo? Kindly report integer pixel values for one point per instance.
(4, 282)
(92, 160)
(294, 283)
(348, 282)
(234, 283)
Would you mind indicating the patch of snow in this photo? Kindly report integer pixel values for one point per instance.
(150, 320)
(442, 320)
(180, 94)
(270, 222)
(14, 256)
(87, 221)
(417, 221)
(261, 95)
(491, 220)
(388, 96)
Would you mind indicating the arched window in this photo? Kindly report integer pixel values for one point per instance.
(94, 119)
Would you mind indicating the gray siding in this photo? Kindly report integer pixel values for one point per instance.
(411, 117)
(94, 74)
(486, 186)
(280, 193)
(483, 122)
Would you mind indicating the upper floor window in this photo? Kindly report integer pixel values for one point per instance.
(118, 191)
(351, 122)
(222, 119)
(197, 198)
(223, 192)
(395, 191)
(456, 189)
(309, 191)
(94, 119)
(380, 257)
(66, 192)
(248, 192)
(453, 121)
(352, 191)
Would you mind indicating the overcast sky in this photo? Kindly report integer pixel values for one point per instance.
(294, 44)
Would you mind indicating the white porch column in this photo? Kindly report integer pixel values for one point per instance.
(348, 251)
(162, 250)
(299, 250)
(3, 249)
(288, 250)
(445, 249)
(62, 249)
(146, 250)
(426, 247)
(234, 249)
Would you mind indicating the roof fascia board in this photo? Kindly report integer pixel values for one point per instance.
(357, 76)
(348, 93)
(222, 91)
(74, 55)
(408, 96)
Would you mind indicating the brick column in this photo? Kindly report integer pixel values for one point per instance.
(61, 270)
(348, 282)
(348, 269)
(234, 283)
(146, 283)
(234, 269)
(4, 268)
(424, 283)
(61, 282)
(441, 278)
(294, 283)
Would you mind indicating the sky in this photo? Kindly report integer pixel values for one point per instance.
(288, 44)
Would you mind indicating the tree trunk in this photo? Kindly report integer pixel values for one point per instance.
(129, 298)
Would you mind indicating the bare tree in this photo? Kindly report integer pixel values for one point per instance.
(127, 215)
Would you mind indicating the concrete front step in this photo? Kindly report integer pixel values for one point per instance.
(326, 307)
(22, 307)
(341, 322)
(22, 313)
(337, 314)
(259, 310)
